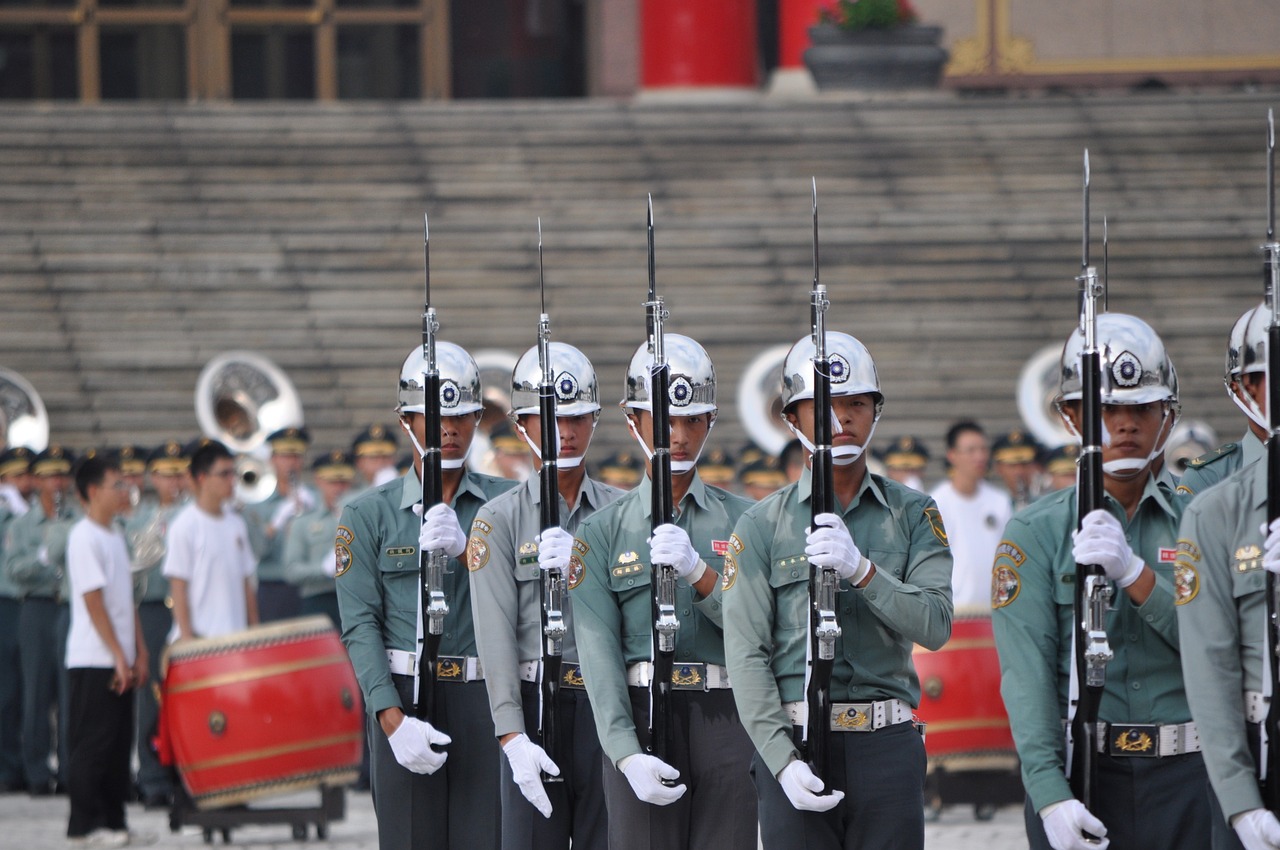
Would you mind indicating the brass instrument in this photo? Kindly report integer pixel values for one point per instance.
(23, 418)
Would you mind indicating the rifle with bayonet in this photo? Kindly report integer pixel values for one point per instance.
(1269, 751)
(823, 581)
(552, 581)
(1093, 591)
(662, 512)
(431, 565)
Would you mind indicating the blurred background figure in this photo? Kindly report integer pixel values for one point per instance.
(1017, 462)
(508, 456)
(905, 461)
(761, 476)
(793, 459)
(268, 522)
(718, 468)
(16, 486)
(309, 560)
(1060, 466)
(622, 469)
(373, 452)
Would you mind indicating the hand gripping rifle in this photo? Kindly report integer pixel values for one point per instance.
(823, 581)
(662, 511)
(431, 565)
(1269, 751)
(1093, 591)
(553, 629)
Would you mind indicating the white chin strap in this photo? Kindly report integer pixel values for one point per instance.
(1250, 408)
(678, 467)
(422, 453)
(1128, 467)
(840, 455)
(562, 462)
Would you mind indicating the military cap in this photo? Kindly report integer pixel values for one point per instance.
(623, 469)
(907, 453)
(1062, 460)
(374, 441)
(171, 458)
(334, 465)
(1015, 447)
(716, 467)
(504, 438)
(289, 441)
(764, 471)
(55, 460)
(196, 445)
(749, 454)
(16, 461)
(132, 460)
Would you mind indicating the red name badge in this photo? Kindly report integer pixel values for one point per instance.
(1168, 556)
(720, 547)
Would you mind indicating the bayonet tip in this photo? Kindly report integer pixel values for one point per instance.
(1086, 166)
(815, 191)
(1271, 131)
(539, 231)
(426, 224)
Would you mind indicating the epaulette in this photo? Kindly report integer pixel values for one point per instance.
(1217, 454)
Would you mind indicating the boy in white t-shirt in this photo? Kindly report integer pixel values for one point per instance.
(208, 560)
(106, 658)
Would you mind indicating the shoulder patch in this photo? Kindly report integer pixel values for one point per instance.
(1010, 552)
(1188, 550)
(1217, 454)
(345, 535)
(730, 574)
(576, 571)
(477, 553)
(341, 558)
(481, 526)
(1184, 489)
(736, 544)
(1186, 582)
(935, 524)
(1005, 585)
(580, 547)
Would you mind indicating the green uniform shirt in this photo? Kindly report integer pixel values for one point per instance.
(8, 589)
(379, 594)
(308, 547)
(766, 599)
(269, 548)
(506, 588)
(154, 585)
(24, 539)
(1221, 607)
(613, 621)
(1208, 469)
(1033, 589)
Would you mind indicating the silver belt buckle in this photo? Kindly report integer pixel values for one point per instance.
(689, 677)
(853, 717)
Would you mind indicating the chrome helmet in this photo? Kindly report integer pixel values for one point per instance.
(1136, 369)
(853, 371)
(459, 381)
(1235, 347)
(693, 378)
(1253, 342)
(577, 391)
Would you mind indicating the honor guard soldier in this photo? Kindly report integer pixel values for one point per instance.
(1016, 459)
(713, 805)
(424, 796)
(374, 453)
(905, 461)
(269, 520)
(35, 552)
(309, 553)
(16, 485)
(889, 549)
(1245, 379)
(146, 530)
(507, 546)
(1150, 785)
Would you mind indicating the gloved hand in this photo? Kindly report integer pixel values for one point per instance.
(527, 759)
(1258, 829)
(802, 788)
(670, 545)
(830, 546)
(441, 531)
(1065, 824)
(287, 511)
(555, 548)
(1271, 549)
(645, 773)
(305, 498)
(412, 745)
(1100, 541)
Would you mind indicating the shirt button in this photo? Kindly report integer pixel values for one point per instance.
(1137, 686)
(684, 611)
(795, 573)
(1133, 638)
(848, 610)
(448, 634)
(630, 582)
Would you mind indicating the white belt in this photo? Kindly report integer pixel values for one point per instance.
(449, 668)
(684, 677)
(1148, 739)
(1255, 707)
(855, 716)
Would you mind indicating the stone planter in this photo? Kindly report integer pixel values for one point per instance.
(903, 58)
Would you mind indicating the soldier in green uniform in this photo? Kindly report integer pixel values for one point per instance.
(374, 453)
(35, 551)
(1015, 457)
(15, 477)
(309, 551)
(423, 796)
(268, 522)
(1151, 776)
(1245, 380)
(507, 547)
(896, 595)
(713, 806)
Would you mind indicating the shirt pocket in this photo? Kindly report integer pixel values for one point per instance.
(1247, 583)
(399, 575)
(891, 561)
(788, 577)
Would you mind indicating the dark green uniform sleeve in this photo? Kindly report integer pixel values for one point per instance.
(917, 606)
(362, 605)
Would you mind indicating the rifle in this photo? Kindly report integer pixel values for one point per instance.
(823, 582)
(1269, 756)
(1093, 591)
(431, 565)
(553, 628)
(662, 511)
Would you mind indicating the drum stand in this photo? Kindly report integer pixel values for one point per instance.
(183, 812)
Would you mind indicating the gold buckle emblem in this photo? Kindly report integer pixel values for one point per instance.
(573, 676)
(1134, 742)
(447, 668)
(686, 676)
(852, 718)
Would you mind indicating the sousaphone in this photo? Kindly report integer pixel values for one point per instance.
(760, 402)
(23, 418)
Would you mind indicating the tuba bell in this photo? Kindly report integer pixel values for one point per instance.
(1038, 388)
(241, 397)
(760, 402)
(496, 366)
(23, 418)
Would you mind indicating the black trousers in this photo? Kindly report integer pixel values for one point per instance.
(153, 777)
(42, 662)
(100, 739)
(11, 772)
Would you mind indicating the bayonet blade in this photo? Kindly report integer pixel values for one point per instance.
(1084, 249)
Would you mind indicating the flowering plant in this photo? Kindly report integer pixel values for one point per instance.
(868, 14)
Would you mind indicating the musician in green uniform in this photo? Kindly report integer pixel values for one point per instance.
(507, 547)
(434, 784)
(309, 551)
(887, 545)
(268, 522)
(1150, 790)
(712, 806)
(16, 485)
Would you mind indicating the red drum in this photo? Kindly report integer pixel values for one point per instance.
(268, 710)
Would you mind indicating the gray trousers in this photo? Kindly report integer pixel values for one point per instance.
(39, 645)
(277, 600)
(1146, 804)
(712, 752)
(153, 777)
(577, 804)
(457, 807)
(11, 772)
(882, 775)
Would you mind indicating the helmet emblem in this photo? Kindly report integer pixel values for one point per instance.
(681, 391)
(566, 387)
(449, 394)
(1127, 370)
(839, 369)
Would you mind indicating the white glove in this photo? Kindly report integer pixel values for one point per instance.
(830, 546)
(555, 548)
(441, 531)
(670, 545)
(42, 555)
(802, 787)
(287, 511)
(1271, 549)
(412, 743)
(527, 759)
(1065, 824)
(645, 773)
(330, 563)
(1258, 828)
(305, 498)
(1100, 541)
